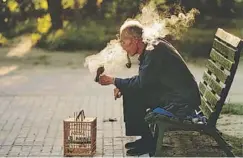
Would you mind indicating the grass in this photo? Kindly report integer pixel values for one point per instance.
(232, 108)
(237, 144)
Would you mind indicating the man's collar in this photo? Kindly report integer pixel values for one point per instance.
(141, 56)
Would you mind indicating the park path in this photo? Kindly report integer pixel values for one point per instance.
(35, 100)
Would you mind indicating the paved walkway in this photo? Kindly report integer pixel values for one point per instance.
(34, 103)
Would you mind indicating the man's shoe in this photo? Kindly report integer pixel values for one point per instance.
(141, 151)
(141, 143)
(134, 144)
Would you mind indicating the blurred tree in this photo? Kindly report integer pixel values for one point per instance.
(67, 4)
(26, 6)
(3, 40)
(7, 9)
(107, 8)
(128, 9)
(4, 16)
(227, 8)
(213, 8)
(90, 9)
(119, 10)
(209, 7)
(187, 4)
(13, 6)
(55, 10)
(40, 16)
(44, 24)
(169, 7)
(77, 12)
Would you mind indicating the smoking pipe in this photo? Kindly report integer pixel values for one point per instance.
(99, 71)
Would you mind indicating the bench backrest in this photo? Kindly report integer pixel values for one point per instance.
(221, 69)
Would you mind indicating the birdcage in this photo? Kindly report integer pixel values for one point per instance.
(80, 135)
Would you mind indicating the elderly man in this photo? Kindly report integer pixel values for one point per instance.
(163, 81)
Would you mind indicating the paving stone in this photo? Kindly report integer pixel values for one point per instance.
(4, 150)
(118, 152)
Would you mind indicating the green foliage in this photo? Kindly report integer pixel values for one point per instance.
(40, 4)
(94, 31)
(13, 6)
(73, 4)
(95, 35)
(90, 35)
(111, 10)
(236, 144)
(196, 43)
(44, 23)
(235, 109)
(23, 27)
(3, 40)
(119, 9)
(68, 4)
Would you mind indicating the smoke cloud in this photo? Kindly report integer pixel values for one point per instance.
(156, 25)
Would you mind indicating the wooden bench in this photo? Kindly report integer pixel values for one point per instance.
(214, 87)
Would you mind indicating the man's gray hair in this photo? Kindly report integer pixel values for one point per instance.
(133, 27)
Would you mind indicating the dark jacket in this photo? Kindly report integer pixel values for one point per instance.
(164, 80)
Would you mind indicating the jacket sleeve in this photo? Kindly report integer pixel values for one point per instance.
(148, 74)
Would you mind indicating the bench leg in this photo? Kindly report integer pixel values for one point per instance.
(221, 142)
(159, 146)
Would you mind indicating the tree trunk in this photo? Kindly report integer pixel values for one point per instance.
(55, 10)
(77, 13)
(90, 9)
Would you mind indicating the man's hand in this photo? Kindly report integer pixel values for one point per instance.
(106, 80)
(117, 93)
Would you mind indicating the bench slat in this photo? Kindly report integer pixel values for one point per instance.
(205, 108)
(207, 94)
(212, 67)
(202, 88)
(224, 49)
(224, 62)
(212, 83)
(228, 38)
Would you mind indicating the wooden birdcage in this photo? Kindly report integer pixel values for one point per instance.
(80, 135)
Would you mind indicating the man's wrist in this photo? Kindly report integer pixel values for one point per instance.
(113, 80)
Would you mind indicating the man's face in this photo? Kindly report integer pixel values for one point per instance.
(128, 43)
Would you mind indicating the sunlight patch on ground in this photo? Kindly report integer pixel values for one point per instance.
(21, 48)
(10, 80)
(7, 69)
